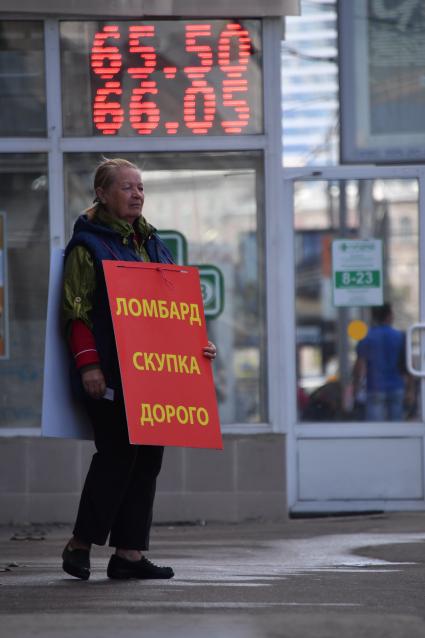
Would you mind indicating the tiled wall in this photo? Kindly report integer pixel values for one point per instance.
(41, 480)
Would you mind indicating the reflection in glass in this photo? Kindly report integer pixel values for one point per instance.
(23, 200)
(382, 58)
(216, 201)
(385, 209)
(22, 79)
(310, 86)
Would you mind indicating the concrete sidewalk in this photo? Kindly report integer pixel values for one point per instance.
(332, 577)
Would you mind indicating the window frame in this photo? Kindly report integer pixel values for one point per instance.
(269, 143)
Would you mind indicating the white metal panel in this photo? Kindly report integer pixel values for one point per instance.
(355, 430)
(152, 8)
(273, 199)
(5, 283)
(285, 299)
(359, 506)
(360, 469)
(24, 145)
(161, 144)
(422, 272)
(54, 128)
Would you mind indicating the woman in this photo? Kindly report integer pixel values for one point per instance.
(117, 498)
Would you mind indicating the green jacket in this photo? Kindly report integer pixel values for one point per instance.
(79, 279)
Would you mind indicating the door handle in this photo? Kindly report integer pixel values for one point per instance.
(409, 350)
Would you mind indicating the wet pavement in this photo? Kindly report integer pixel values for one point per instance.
(329, 577)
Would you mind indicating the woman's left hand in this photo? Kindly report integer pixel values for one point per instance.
(209, 351)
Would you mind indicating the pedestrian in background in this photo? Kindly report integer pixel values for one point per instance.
(381, 362)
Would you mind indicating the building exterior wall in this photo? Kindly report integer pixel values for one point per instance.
(41, 480)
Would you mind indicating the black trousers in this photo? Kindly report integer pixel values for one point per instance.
(119, 491)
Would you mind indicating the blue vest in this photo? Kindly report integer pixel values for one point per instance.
(104, 243)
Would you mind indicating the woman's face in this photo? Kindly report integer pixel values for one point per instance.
(124, 198)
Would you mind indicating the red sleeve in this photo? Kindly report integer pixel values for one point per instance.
(83, 345)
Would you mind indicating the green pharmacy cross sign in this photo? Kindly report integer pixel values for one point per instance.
(176, 244)
(212, 287)
(212, 282)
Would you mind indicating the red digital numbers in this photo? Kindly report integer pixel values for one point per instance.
(199, 89)
(199, 99)
(146, 52)
(144, 114)
(203, 51)
(207, 94)
(106, 61)
(235, 84)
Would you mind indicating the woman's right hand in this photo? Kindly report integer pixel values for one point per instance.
(94, 382)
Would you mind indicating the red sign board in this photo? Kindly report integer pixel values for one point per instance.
(160, 331)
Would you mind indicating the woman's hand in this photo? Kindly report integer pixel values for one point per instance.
(94, 382)
(209, 351)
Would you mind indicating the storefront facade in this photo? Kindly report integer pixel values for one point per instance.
(194, 100)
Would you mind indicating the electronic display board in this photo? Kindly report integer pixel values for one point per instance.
(162, 78)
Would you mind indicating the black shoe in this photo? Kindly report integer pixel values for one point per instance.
(76, 562)
(143, 569)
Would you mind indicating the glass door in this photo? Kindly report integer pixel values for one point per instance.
(357, 433)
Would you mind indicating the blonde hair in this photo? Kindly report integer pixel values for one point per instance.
(104, 176)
